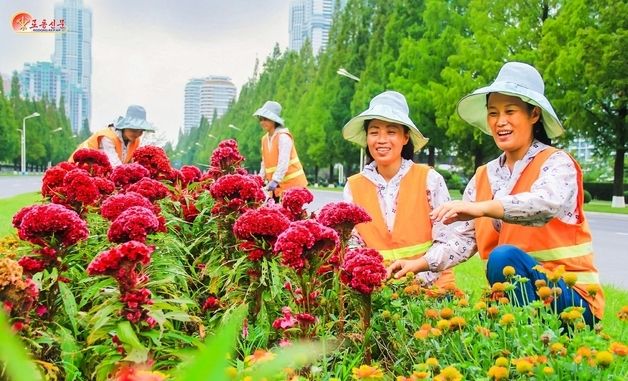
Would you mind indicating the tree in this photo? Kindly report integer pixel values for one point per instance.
(584, 52)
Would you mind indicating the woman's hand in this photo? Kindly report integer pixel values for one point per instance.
(402, 266)
(453, 211)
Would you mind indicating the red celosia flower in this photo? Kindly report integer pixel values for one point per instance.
(93, 161)
(226, 156)
(363, 270)
(306, 241)
(116, 204)
(190, 174)
(253, 252)
(306, 319)
(266, 222)
(342, 216)
(127, 174)
(110, 261)
(151, 189)
(293, 200)
(287, 321)
(19, 216)
(79, 188)
(211, 303)
(134, 223)
(50, 224)
(53, 178)
(155, 160)
(32, 265)
(233, 192)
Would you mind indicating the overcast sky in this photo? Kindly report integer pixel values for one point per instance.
(144, 51)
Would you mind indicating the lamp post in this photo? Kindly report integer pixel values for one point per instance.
(50, 145)
(23, 140)
(342, 71)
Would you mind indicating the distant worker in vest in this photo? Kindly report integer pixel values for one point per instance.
(280, 167)
(398, 193)
(120, 139)
(523, 210)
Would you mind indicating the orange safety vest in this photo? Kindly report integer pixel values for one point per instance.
(93, 142)
(554, 244)
(411, 236)
(295, 177)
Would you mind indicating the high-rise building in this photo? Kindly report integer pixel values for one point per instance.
(41, 80)
(311, 20)
(207, 97)
(73, 55)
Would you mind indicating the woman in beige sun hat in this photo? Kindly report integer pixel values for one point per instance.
(523, 211)
(398, 193)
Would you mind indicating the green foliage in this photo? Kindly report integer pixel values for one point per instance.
(13, 358)
(587, 196)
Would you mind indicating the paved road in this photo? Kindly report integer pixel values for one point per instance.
(610, 240)
(610, 231)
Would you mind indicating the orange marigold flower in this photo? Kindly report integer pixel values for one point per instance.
(623, 313)
(503, 300)
(507, 319)
(498, 287)
(557, 291)
(367, 372)
(479, 306)
(426, 326)
(449, 374)
(501, 361)
(558, 349)
(457, 322)
(540, 283)
(524, 366)
(483, 331)
(570, 279)
(446, 313)
(492, 311)
(508, 271)
(463, 302)
(431, 313)
(421, 334)
(412, 290)
(498, 373)
(394, 296)
(604, 359)
(619, 349)
(259, 355)
(544, 292)
(436, 332)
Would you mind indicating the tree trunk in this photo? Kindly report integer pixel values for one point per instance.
(620, 152)
(478, 158)
(431, 156)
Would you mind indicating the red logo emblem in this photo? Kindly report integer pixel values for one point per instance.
(21, 22)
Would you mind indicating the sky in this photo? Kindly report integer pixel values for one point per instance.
(145, 51)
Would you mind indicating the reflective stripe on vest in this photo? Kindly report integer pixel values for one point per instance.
(293, 175)
(563, 252)
(273, 169)
(405, 252)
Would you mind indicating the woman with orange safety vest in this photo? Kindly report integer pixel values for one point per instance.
(280, 167)
(398, 193)
(525, 208)
(120, 139)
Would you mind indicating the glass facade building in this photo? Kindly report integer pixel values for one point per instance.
(207, 97)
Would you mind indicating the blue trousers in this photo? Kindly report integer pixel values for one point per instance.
(507, 255)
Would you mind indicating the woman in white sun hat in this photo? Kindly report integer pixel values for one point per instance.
(398, 193)
(523, 209)
(280, 167)
(120, 139)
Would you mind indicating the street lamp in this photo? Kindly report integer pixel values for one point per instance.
(342, 71)
(23, 140)
(50, 145)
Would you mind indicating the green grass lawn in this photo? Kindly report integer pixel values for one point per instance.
(9, 206)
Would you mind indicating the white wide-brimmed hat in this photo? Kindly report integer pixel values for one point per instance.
(515, 79)
(135, 119)
(270, 110)
(389, 106)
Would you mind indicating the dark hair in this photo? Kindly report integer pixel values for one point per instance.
(407, 152)
(538, 129)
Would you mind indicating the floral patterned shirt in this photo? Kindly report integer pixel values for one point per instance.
(553, 194)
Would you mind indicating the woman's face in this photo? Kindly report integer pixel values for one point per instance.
(267, 124)
(385, 140)
(511, 123)
(131, 134)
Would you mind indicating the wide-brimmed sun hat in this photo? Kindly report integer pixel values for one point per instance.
(515, 79)
(270, 110)
(135, 119)
(389, 106)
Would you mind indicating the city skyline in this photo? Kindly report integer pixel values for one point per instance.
(146, 58)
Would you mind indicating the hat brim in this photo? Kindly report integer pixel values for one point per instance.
(472, 108)
(268, 115)
(133, 123)
(354, 132)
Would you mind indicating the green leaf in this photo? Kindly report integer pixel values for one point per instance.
(295, 356)
(69, 304)
(70, 354)
(137, 351)
(13, 356)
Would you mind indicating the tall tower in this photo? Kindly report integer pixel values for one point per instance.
(206, 97)
(73, 54)
(311, 20)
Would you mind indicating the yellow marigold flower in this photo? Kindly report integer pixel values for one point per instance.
(449, 374)
(367, 372)
(446, 313)
(544, 292)
(619, 349)
(479, 306)
(503, 300)
(426, 326)
(548, 370)
(420, 375)
(431, 313)
(557, 291)
(492, 311)
(604, 358)
(508, 271)
(507, 319)
(524, 366)
(259, 355)
(501, 361)
(463, 302)
(570, 279)
(421, 334)
(443, 324)
(410, 275)
(394, 296)
(540, 283)
(498, 373)
(558, 349)
(412, 290)
(592, 289)
(498, 287)
(457, 322)
(432, 362)
(386, 314)
(232, 372)
(580, 325)
(436, 332)
(483, 331)
(623, 313)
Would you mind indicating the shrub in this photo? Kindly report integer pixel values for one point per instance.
(587, 196)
